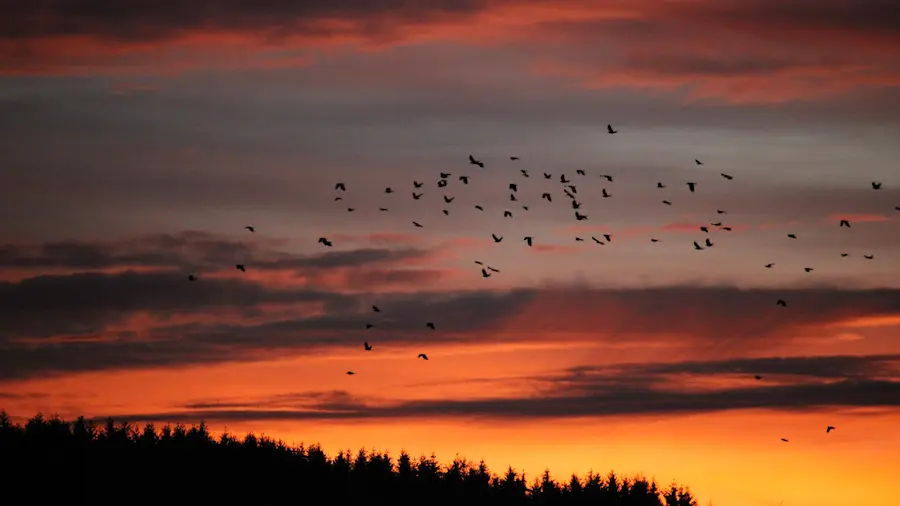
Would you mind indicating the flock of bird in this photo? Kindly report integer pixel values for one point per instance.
(570, 190)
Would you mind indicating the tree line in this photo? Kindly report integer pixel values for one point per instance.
(80, 462)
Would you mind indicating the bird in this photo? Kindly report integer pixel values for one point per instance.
(758, 377)
(351, 209)
(473, 161)
(719, 211)
(781, 303)
(808, 269)
(845, 223)
(417, 184)
(340, 186)
(726, 176)
(528, 240)
(512, 197)
(442, 183)
(697, 246)
(446, 212)
(792, 236)
(492, 269)
(609, 129)
(496, 239)
(479, 262)
(376, 309)
(464, 179)
(324, 241)
(717, 224)
(547, 176)
(785, 440)
(514, 158)
(596, 240)
(388, 190)
(507, 214)
(579, 239)
(666, 202)
(698, 162)
(691, 186)
(607, 237)
(562, 179)
(608, 177)
(382, 209)
(369, 325)
(654, 240)
(430, 325)
(525, 207)
(448, 199)
(547, 197)
(514, 187)
(769, 266)
(576, 204)
(579, 172)
(417, 224)
(709, 243)
(876, 185)
(605, 195)
(445, 175)
(485, 273)
(479, 208)
(417, 196)
(337, 198)
(192, 277)
(704, 229)
(524, 172)
(844, 254)
(240, 267)
(248, 227)
(660, 185)
(566, 192)
(580, 217)
(423, 356)
(367, 346)
(573, 188)
(868, 257)
(828, 429)
(350, 373)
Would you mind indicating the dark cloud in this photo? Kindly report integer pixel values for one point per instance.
(129, 21)
(631, 391)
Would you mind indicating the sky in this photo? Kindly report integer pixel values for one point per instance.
(140, 138)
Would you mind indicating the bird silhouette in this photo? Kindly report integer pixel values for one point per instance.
(580, 217)
(660, 185)
(781, 303)
(430, 325)
(485, 273)
(446, 212)
(442, 183)
(340, 186)
(514, 158)
(422, 356)
(769, 266)
(698, 162)
(562, 179)
(758, 377)
(512, 197)
(605, 194)
(417, 224)
(479, 208)
(525, 207)
(579, 172)
(792, 236)
(240, 267)
(524, 172)
(808, 269)
(547, 197)
(608, 177)
(528, 240)
(868, 257)
(785, 440)
(464, 179)
(337, 198)
(697, 246)
(350, 373)
(496, 239)
(547, 176)
(596, 240)
(507, 214)
(192, 277)
(579, 239)
(709, 243)
(388, 190)
(417, 184)
(608, 237)
(828, 429)
(514, 187)
(248, 227)
(492, 269)
(566, 192)
(844, 254)
(376, 309)
(666, 202)
(351, 209)
(445, 175)
(369, 325)
(382, 209)
(448, 199)
(719, 211)
(576, 204)
(417, 196)
(704, 229)
(573, 188)
(473, 161)
(654, 240)
(691, 186)
(609, 129)
(726, 176)
(325, 241)
(367, 346)
(876, 185)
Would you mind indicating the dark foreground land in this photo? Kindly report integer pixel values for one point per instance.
(78, 463)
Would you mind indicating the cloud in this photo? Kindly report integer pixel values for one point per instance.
(627, 389)
(736, 51)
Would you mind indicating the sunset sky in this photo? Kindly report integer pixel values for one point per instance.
(138, 139)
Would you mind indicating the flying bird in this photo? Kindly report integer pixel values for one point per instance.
(446, 212)
(769, 266)
(608, 177)
(792, 236)
(337, 198)
(528, 240)
(340, 186)
(609, 129)
(844, 254)
(375, 309)
(666, 202)
(719, 211)
(430, 325)
(388, 190)
(709, 243)
(473, 161)
(562, 179)
(191, 277)
(547, 176)
(324, 241)
(691, 186)
(514, 158)
(448, 199)
(492, 269)
(828, 429)
(350, 373)
(367, 346)
(417, 196)
(485, 273)
(726, 176)
(496, 239)
(808, 269)
(248, 227)
(605, 195)
(697, 246)
(423, 356)
(417, 184)
(512, 197)
(464, 179)
(654, 240)
(445, 175)
(579, 172)
(876, 185)
(868, 257)
(382, 209)
(660, 185)
(240, 267)
(596, 240)
(546, 197)
(442, 183)
(579, 239)
(698, 162)
(704, 229)
(479, 208)
(580, 217)
(781, 303)
(524, 172)
(369, 325)
(507, 214)
(573, 188)
(785, 440)
(607, 237)
(576, 204)
(758, 377)
(514, 187)
(417, 224)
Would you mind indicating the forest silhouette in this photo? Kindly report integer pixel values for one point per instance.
(80, 462)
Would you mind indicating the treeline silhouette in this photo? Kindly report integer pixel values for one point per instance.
(78, 462)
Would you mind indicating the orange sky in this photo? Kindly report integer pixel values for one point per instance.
(138, 143)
